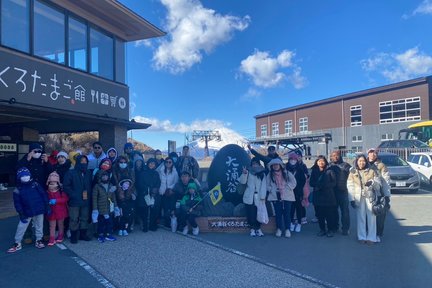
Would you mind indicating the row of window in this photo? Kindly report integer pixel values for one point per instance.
(33, 27)
(400, 110)
(384, 137)
(303, 127)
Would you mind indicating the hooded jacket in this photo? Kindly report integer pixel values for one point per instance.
(103, 195)
(75, 182)
(254, 185)
(30, 199)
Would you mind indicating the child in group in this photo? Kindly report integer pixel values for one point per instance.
(31, 203)
(58, 204)
(190, 209)
(125, 196)
(104, 207)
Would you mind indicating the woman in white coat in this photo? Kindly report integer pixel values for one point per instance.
(362, 181)
(280, 185)
(169, 177)
(256, 189)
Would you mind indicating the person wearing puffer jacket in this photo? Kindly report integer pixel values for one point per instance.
(360, 181)
(169, 177)
(280, 187)
(256, 190)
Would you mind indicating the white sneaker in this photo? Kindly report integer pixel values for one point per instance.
(173, 224)
(298, 228)
(259, 233)
(292, 227)
(125, 233)
(287, 233)
(185, 230)
(279, 233)
(378, 239)
(252, 233)
(304, 221)
(195, 231)
(120, 233)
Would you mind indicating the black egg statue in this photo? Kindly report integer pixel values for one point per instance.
(226, 168)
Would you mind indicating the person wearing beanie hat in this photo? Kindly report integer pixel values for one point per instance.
(62, 154)
(280, 184)
(190, 209)
(37, 162)
(57, 200)
(63, 165)
(31, 203)
(132, 154)
(255, 193)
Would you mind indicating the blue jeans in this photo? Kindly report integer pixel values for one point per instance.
(282, 211)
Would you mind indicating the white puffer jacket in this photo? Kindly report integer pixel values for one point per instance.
(288, 194)
(253, 185)
(168, 180)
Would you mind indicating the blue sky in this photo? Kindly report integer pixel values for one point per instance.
(223, 62)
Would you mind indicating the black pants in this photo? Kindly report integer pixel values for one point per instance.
(343, 205)
(251, 213)
(168, 208)
(380, 219)
(127, 207)
(298, 209)
(327, 215)
(185, 218)
(104, 226)
(149, 216)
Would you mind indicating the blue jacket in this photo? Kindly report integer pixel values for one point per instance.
(30, 199)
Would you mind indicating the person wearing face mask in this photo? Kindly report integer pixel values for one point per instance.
(57, 200)
(31, 203)
(37, 163)
(77, 185)
(295, 168)
(159, 159)
(256, 190)
(105, 165)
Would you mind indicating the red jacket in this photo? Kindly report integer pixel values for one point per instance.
(60, 209)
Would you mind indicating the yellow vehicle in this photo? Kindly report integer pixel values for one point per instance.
(421, 131)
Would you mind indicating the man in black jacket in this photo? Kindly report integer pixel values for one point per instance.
(37, 163)
(77, 185)
(341, 170)
(271, 154)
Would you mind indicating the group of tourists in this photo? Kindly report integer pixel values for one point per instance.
(331, 186)
(117, 193)
(65, 193)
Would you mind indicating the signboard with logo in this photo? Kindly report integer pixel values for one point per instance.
(36, 82)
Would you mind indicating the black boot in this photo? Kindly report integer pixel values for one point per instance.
(74, 237)
(83, 235)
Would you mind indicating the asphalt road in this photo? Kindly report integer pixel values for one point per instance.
(164, 259)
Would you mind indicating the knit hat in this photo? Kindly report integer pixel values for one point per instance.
(23, 172)
(63, 154)
(275, 161)
(35, 146)
(192, 185)
(293, 155)
(53, 177)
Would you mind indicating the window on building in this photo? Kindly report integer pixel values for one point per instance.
(357, 148)
(303, 124)
(263, 130)
(49, 45)
(120, 75)
(275, 128)
(356, 115)
(386, 136)
(15, 24)
(400, 110)
(77, 44)
(288, 127)
(102, 54)
(357, 138)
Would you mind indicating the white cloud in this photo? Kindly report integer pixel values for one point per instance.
(266, 71)
(145, 42)
(424, 8)
(192, 30)
(167, 126)
(251, 95)
(399, 67)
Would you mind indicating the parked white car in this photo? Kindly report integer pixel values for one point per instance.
(422, 163)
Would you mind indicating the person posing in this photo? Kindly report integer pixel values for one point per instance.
(77, 185)
(341, 170)
(37, 163)
(31, 203)
(280, 185)
(188, 163)
(360, 182)
(256, 190)
(148, 183)
(294, 167)
(168, 177)
(112, 154)
(63, 165)
(384, 175)
(58, 200)
(104, 207)
(323, 181)
(271, 154)
(190, 209)
(96, 156)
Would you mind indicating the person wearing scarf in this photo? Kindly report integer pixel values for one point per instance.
(280, 186)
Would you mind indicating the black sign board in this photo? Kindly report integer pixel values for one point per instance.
(36, 82)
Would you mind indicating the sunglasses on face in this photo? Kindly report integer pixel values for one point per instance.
(37, 151)
(169, 162)
(97, 147)
(122, 162)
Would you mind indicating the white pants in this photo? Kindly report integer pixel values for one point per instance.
(365, 218)
(22, 227)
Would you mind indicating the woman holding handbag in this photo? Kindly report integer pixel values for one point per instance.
(256, 189)
(362, 183)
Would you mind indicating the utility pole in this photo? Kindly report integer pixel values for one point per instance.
(206, 135)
